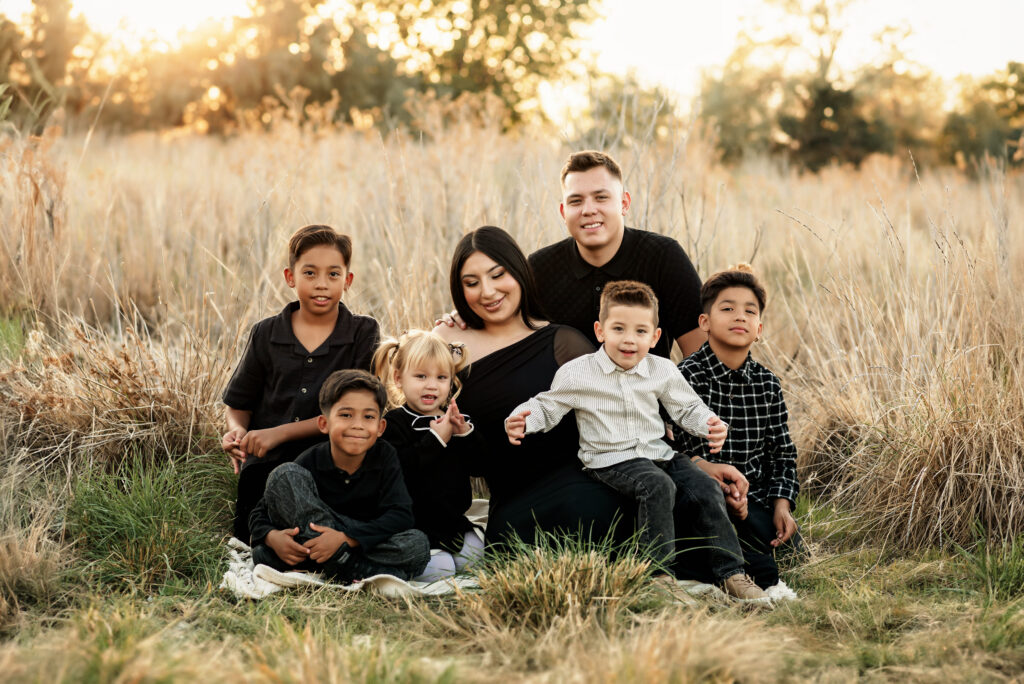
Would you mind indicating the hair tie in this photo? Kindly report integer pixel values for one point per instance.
(456, 349)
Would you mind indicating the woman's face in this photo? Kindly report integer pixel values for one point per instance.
(491, 291)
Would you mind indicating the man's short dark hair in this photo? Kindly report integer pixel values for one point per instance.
(341, 382)
(740, 275)
(590, 159)
(311, 236)
(627, 293)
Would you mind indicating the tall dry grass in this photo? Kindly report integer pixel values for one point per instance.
(892, 314)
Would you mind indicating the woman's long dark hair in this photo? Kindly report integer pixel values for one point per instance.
(499, 246)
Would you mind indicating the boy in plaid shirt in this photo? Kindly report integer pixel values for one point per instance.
(748, 397)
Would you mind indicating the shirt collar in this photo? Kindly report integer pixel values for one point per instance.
(607, 366)
(615, 267)
(281, 331)
(325, 462)
(720, 370)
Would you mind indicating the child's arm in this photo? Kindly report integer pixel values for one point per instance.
(544, 411)
(690, 412)
(281, 541)
(783, 485)
(416, 449)
(231, 442)
(260, 442)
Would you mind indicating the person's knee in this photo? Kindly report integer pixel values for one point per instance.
(414, 542)
(287, 474)
(662, 487)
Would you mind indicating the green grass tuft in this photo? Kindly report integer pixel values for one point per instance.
(152, 524)
(996, 567)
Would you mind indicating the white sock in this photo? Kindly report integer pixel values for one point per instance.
(472, 549)
(441, 565)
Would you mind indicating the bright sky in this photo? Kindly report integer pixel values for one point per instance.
(670, 41)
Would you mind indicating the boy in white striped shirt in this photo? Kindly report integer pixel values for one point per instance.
(615, 392)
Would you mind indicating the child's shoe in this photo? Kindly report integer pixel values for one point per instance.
(669, 587)
(743, 589)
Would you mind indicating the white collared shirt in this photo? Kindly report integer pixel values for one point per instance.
(617, 410)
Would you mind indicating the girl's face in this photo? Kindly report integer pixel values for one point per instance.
(426, 387)
(491, 291)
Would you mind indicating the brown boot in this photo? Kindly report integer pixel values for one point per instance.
(741, 588)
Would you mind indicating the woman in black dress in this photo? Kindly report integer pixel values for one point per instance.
(514, 355)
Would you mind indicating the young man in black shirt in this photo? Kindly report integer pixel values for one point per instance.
(342, 507)
(600, 248)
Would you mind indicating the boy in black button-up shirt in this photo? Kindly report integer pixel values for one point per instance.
(271, 397)
(342, 507)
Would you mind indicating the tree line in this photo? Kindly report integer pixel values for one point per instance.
(363, 63)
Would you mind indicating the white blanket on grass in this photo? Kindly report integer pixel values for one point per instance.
(245, 580)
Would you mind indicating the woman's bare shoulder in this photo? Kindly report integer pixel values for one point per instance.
(451, 333)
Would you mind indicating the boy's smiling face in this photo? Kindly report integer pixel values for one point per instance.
(319, 278)
(734, 320)
(628, 333)
(353, 424)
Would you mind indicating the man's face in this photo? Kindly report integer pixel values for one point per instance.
(593, 206)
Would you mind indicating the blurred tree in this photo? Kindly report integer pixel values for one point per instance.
(53, 36)
(903, 97)
(781, 90)
(989, 120)
(496, 46)
(622, 111)
(831, 129)
(739, 101)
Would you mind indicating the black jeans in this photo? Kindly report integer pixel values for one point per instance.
(696, 513)
(292, 501)
(646, 482)
(756, 534)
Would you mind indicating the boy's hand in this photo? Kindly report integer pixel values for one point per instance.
(442, 426)
(260, 442)
(285, 546)
(718, 430)
(451, 319)
(327, 544)
(231, 443)
(458, 421)
(785, 524)
(515, 427)
(736, 505)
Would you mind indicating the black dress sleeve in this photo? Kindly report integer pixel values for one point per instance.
(570, 343)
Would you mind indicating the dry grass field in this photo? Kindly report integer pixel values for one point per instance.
(132, 267)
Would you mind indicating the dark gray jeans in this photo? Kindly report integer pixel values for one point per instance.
(678, 497)
(292, 501)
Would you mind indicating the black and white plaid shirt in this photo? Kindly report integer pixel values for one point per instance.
(750, 401)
